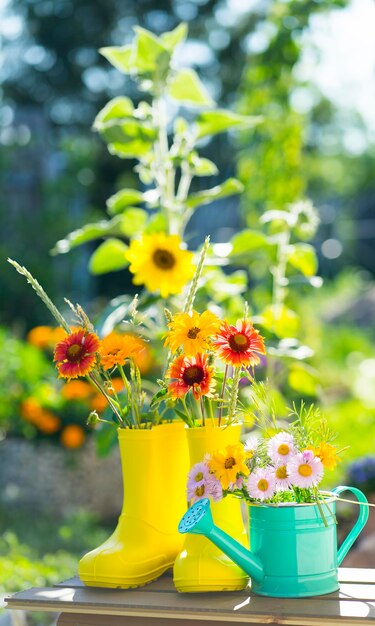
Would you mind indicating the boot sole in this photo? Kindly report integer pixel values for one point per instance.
(126, 583)
(207, 587)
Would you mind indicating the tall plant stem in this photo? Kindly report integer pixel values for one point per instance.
(234, 394)
(223, 392)
(202, 411)
(112, 405)
(164, 172)
(188, 306)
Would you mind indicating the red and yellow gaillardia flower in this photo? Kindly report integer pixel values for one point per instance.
(226, 464)
(191, 373)
(192, 332)
(159, 262)
(239, 345)
(116, 349)
(75, 355)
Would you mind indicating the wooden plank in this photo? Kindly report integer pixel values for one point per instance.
(77, 619)
(240, 607)
(347, 591)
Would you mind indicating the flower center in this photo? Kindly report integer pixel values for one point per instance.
(75, 352)
(281, 472)
(229, 462)
(263, 484)
(283, 449)
(305, 470)
(198, 477)
(199, 491)
(163, 259)
(193, 332)
(193, 375)
(239, 342)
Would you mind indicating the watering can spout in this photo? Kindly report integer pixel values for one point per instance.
(198, 521)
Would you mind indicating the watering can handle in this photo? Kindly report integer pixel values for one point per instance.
(361, 521)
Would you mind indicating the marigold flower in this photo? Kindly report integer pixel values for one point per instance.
(73, 436)
(159, 262)
(192, 332)
(227, 464)
(75, 355)
(191, 373)
(239, 345)
(326, 453)
(116, 349)
(76, 390)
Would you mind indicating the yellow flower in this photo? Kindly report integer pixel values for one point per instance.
(327, 454)
(227, 464)
(115, 349)
(158, 262)
(192, 331)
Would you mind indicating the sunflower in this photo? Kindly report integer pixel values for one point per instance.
(227, 464)
(239, 345)
(115, 349)
(159, 262)
(192, 331)
(75, 355)
(191, 373)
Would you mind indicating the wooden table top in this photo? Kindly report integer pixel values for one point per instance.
(158, 602)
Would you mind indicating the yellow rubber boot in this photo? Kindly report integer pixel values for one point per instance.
(146, 540)
(201, 566)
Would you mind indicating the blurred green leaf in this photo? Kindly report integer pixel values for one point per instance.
(105, 439)
(291, 348)
(220, 120)
(133, 221)
(303, 379)
(156, 224)
(187, 87)
(248, 240)
(89, 232)
(122, 199)
(109, 257)
(148, 50)
(128, 139)
(174, 37)
(115, 109)
(280, 320)
(202, 167)
(119, 57)
(303, 257)
(228, 188)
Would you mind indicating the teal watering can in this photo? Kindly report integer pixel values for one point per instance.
(293, 552)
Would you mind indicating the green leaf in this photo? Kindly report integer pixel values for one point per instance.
(303, 257)
(89, 232)
(105, 439)
(133, 221)
(129, 139)
(108, 257)
(157, 224)
(247, 241)
(122, 199)
(228, 188)
(148, 50)
(115, 109)
(281, 320)
(175, 36)
(220, 120)
(303, 379)
(186, 87)
(119, 57)
(202, 167)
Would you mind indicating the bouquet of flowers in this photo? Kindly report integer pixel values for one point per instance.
(281, 465)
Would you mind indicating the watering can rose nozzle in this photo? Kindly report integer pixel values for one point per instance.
(198, 521)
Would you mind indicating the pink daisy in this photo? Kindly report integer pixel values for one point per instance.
(282, 477)
(281, 448)
(305, 470)
(261, 483)
(202, 484)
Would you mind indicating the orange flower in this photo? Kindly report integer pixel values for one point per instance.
(239, 345)
(191, 373)
(115, 349)
(143, 357)
(72, 436)
(76, 390)
(31, 410)
(48, 423)
(98, 403)
(327, 454)
(75, 355)
(40, 337)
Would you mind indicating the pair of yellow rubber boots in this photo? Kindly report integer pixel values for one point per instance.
(146, 541)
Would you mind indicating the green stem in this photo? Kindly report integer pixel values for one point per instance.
(190, 421)
(189, 302)
(202, 411)
(234, 394)
(223, 392)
